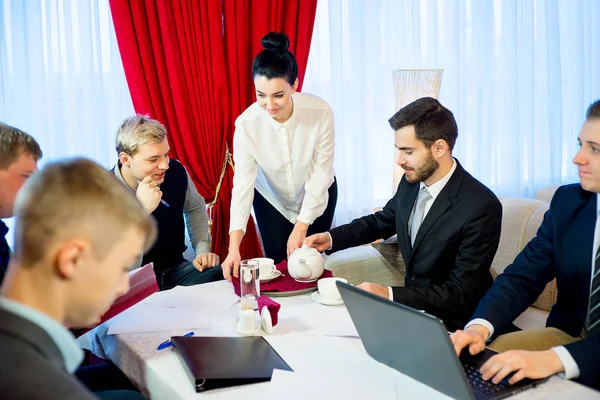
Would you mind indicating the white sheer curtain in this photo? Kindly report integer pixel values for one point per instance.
(518, 76)
(61, 77)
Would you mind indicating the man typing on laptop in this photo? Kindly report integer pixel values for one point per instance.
(566, 247)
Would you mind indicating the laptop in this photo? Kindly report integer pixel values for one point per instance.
(417, 344)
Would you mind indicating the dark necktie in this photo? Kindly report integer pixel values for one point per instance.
(4, 250)
(593, 322)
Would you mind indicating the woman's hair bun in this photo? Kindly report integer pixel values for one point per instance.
(277, 41)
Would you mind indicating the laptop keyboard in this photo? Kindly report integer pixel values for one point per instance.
(476, 381)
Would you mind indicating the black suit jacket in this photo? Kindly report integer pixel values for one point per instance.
(562, 249)
(448, 269)
(31, 365)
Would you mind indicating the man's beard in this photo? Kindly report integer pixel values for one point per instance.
(423, 173)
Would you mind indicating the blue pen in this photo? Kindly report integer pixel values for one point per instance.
(168, 343)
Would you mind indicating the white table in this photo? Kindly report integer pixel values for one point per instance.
(299, 339)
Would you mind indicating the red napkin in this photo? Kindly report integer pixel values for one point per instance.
(284, 283)
(272, 306)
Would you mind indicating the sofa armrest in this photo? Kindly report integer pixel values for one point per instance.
(363, 264)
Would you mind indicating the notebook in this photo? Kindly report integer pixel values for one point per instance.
(216, 362)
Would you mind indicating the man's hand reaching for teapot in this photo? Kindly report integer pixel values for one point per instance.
(319, 241)
(296, 237)
(374, 288)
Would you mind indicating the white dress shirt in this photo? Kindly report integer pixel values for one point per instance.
(434, 190)
(290, 163)
(571, 368)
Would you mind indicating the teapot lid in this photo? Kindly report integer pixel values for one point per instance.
(305, 250)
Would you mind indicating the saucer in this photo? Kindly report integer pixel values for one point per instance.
(253, 333)
(316, 296)
(306, 280)
(269, 278)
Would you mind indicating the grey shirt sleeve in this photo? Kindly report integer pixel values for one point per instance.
(196, 218)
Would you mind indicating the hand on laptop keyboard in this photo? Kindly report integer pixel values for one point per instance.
(524, 364)
(476, 381)
(473, 337)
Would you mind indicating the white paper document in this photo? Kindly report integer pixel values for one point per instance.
(311, 317)
(150, 318)
(301, 385)
(212, 298)
(314, 353)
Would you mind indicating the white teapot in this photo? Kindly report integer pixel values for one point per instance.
(306, 264)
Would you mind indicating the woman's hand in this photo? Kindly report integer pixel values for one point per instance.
(296, 237)
(231, 265)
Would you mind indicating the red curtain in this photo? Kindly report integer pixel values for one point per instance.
(188, 64)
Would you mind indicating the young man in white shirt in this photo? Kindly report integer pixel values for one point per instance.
(19, 154)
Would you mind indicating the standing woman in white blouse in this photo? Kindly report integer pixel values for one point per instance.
(283, 152)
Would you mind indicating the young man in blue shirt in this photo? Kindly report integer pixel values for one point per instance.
(78, 231)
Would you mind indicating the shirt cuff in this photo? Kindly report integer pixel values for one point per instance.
(202, 248)
(330, 241)
(567, 360)
(390, 293)
(481, 321)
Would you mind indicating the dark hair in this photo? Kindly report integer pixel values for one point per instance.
(593, 111)
(431, 119)
(275, 60)
(13, 143)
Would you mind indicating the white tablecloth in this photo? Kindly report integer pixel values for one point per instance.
(306, 338)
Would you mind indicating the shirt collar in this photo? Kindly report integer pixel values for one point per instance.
(61, 336)
(287, 124)
(118, 174)
(435, 189)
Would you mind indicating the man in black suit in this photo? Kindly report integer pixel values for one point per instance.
(447, 222)
(78, 231)
(19, 154)
(565, 248)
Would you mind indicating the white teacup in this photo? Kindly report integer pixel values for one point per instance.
(266, 267)
(328, 290)
(247, 322)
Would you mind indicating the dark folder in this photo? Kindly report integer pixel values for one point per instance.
(216, 362)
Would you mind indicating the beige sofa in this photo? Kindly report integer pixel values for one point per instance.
(382, 263)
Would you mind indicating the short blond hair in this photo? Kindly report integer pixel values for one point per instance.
(136, 131)
(76, 198)
(13, 143)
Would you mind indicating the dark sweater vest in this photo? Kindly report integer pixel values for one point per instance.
(168, 250)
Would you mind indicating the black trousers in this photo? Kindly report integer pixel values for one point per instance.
(108, 382)
(275, 229)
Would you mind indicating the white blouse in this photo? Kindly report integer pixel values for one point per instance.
(290, 164)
